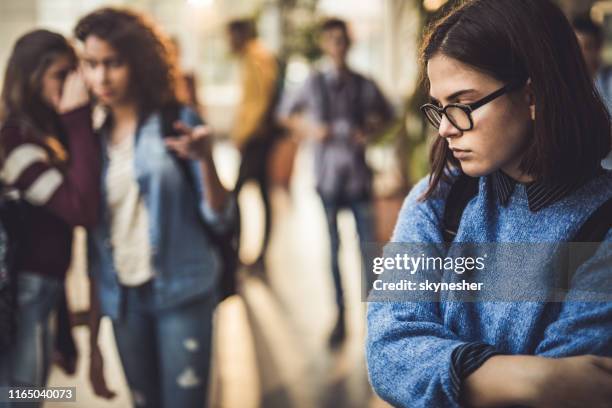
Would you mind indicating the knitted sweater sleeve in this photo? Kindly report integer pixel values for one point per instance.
(408, 348)
(584, 323)
(74, 194)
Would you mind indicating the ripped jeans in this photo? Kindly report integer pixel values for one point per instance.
(165, 353)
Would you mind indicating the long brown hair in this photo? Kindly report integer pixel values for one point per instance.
(21, 96)
(513, 40)
(147, 51)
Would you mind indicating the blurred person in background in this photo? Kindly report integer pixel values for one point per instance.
(51, 165)
(591, 39)
(255, 130)
(521, 127)
(153, 264)
(345, 109)
(187, 85)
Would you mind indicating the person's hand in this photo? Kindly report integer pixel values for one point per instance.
(192, 143)
(574, 382)
(96, 375)
(74, 93)
(66, 363)
(540, 382)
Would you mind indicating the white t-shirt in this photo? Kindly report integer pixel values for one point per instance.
(128, 217)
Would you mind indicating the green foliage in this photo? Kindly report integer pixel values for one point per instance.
(412, 134)
(299, 29)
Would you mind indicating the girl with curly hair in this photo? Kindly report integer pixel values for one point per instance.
(154, 266)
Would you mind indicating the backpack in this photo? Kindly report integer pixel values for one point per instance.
(227, 242)
(594, 229)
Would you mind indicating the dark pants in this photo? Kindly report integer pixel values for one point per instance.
(362, 211)
(254, 166)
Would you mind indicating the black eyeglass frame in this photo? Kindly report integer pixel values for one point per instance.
(468, 108)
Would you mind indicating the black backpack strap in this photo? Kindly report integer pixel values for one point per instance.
(325, 102)
(597, 225)
(462, 191)
(169, 115)
(593, 230)
(357, 108)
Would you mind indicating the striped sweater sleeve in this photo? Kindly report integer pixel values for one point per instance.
(73, 195)
(467, 358)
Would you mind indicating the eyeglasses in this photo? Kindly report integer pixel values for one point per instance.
(460, 114)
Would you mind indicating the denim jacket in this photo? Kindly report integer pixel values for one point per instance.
(184, 261)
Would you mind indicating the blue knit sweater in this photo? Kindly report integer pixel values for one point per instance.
(409, 344)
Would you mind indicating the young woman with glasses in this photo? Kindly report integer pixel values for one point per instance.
(515, 109)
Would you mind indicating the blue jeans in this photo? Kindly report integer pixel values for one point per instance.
(362, 211)
(27, 362)
(165, 353)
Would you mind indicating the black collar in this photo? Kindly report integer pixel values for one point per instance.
(539, 194)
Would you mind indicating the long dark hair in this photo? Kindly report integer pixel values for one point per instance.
(147, 51)
(21, 97)
(512, 41)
